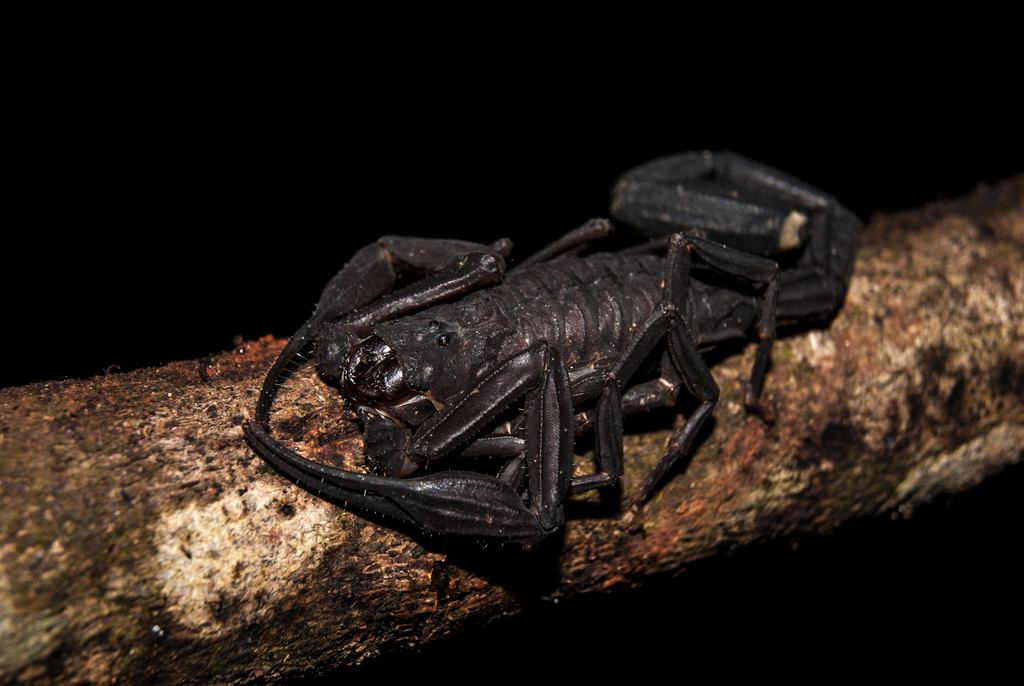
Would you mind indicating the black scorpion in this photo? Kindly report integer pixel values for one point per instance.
(430, 372)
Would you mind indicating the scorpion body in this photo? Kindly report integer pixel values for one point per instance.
(590, 307)
(586, 308)
(566, 335)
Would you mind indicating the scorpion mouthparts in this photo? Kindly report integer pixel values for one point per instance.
(372, 371)
(385, 444)
(331, 353)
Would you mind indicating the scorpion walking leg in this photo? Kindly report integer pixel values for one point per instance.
(683, 362)
(570, 243)
(766, 334)
(683, 349)
(668, 318)
(757, 270)
(608, 442)
(540, 374)
(687, 358)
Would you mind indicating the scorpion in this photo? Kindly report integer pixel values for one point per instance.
(439, 368)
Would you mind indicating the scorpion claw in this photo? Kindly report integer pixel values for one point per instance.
(466, 503)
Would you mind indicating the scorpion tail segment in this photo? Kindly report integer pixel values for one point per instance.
(733, 200)
(816, 287)
(459, 503)
(730, 199)
(753, 208)
(732, 168)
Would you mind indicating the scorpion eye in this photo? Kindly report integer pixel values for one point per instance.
(443, 339)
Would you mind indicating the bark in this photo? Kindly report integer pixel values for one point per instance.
(141, 541)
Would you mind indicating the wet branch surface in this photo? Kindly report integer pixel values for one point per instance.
(142, 541)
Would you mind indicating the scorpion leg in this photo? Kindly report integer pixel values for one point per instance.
(682, 364)
(570, 243)
(758, 270)
(608, 443)
(669, 318)
(684, 353)
(540, 374)
(641, 397)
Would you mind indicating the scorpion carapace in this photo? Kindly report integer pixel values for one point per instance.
(440, 367)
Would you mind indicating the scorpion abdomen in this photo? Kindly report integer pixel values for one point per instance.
(587, 307)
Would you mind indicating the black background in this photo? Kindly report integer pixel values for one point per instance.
(186, 178)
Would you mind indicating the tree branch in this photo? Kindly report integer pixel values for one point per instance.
(141, 539)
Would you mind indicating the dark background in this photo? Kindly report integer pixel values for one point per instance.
(189, 178)
(186, 178)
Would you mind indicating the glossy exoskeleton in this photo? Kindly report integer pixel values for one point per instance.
(430, 367)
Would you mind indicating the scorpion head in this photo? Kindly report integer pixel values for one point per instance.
(405, 370)
(407, 357)
(435, 353)
(423, 352)
(368, 369)
(372, 371)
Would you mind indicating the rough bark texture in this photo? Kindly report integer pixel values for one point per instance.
(141, 541)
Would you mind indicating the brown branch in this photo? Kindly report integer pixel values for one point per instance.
(140, 539)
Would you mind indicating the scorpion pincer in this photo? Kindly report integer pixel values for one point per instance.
(438, 368)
